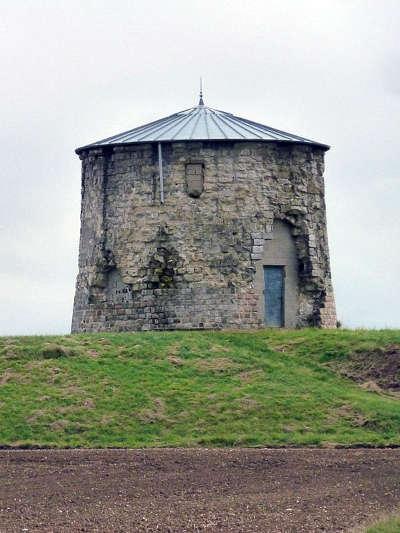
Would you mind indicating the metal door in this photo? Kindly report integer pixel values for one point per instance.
(274, 277)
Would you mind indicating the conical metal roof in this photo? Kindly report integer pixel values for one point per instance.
(202, 123)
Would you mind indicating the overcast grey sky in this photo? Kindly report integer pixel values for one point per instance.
(74, 71)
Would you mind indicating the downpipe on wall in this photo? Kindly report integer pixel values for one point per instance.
(160, 170)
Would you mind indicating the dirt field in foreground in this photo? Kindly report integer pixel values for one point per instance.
(177, 490)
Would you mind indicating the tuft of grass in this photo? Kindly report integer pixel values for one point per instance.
(199, 388)
(54, 351)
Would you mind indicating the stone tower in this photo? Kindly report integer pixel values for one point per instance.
(199, 220)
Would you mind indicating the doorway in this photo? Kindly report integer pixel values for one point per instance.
(274, 294)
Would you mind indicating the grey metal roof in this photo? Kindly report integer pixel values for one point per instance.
(201, 123)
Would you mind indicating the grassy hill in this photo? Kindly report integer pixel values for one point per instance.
(269, 387)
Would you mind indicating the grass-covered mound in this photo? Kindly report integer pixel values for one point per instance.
(270, 387)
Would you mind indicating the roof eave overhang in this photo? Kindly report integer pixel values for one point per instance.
(95, 146)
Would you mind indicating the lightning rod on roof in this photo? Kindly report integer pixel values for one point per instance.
(201, 102)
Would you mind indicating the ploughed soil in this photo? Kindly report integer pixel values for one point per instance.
(374, 369)
(190, 490)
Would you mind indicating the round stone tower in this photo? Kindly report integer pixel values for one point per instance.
(203, 220)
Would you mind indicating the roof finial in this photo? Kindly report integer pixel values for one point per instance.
(201, 102)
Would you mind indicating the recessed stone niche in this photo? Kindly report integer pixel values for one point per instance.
(194, 179)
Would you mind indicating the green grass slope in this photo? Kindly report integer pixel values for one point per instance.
(269, 387)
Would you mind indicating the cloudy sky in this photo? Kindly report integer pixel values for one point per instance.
(76, 71)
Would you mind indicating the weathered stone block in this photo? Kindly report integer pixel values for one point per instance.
(257, 249)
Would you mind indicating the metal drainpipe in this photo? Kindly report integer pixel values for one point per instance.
(160, 168)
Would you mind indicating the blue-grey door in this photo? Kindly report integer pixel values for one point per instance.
(274, 295)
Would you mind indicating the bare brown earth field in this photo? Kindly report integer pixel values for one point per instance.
(190, 490)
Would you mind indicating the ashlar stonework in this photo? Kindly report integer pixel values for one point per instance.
(196, 261)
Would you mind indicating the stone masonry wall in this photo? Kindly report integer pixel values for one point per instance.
(191, 262)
